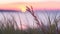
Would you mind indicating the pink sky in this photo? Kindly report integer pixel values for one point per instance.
(36, 5)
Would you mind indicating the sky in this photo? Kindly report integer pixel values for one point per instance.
(37, 4)
(21, 5)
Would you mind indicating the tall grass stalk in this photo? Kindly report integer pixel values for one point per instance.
(35, 18)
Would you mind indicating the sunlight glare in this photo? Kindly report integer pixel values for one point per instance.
(23, 8)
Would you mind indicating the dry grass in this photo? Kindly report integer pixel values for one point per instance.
(9, 26)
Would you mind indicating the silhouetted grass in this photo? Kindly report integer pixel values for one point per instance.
(52, 28)
(8, 26)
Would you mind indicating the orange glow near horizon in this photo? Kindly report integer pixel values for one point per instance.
(22, 8)
(37, 5)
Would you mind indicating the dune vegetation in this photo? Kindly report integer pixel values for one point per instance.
(8, 26)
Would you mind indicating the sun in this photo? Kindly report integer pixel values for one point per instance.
(22, 8)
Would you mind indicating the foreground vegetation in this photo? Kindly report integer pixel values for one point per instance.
(8, 26)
